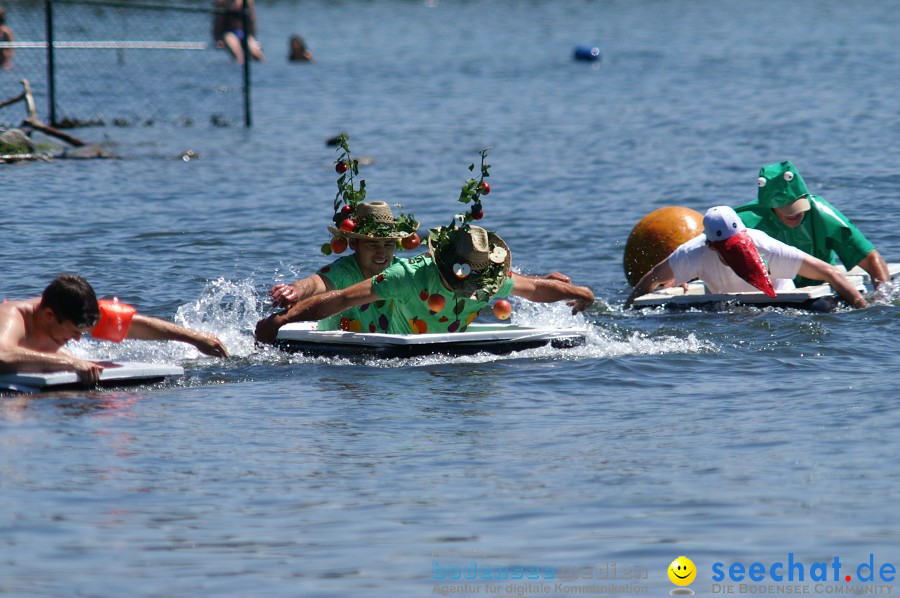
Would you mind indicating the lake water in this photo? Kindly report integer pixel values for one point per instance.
(740, 436)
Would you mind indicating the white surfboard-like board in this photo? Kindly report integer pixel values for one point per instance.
(498, 339)
(819, 298)
(121, 373)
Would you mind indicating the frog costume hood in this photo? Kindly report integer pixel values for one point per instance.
(781, 186)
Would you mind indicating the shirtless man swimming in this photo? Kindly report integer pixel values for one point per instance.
(34, 332)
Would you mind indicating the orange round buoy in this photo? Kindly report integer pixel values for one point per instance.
(657, 235)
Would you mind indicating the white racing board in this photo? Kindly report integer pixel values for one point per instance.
(498, 339)
(820, 298)
(121, 373)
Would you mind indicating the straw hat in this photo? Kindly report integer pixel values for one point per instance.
(472, 261)
(376, 220)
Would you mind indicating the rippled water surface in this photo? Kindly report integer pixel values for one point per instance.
(742, 435)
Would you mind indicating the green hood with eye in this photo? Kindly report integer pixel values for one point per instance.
(779, 185)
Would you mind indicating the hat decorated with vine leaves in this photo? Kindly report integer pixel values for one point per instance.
(473, 262)
(356, 219)
(373, 220)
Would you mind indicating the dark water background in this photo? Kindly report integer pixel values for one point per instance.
(743, 435)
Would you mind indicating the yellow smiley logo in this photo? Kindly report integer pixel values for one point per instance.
(682, 571)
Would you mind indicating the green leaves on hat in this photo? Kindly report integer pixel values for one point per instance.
(480, 285)
(347, 192)
(472, 192)
(351, 193)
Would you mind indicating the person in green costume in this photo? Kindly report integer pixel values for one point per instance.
(373, 252)
(469, 266)
(785, 210)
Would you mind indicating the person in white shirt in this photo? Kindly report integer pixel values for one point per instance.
(731, 258)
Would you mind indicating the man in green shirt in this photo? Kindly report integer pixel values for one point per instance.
(373, 252)
(785, 210)
(469, 267)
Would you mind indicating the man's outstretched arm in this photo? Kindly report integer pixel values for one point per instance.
(285, 295)
(543, 290)
(20, 359)
(316, 308)
(660, 275)
(154, 329)
(816, 269)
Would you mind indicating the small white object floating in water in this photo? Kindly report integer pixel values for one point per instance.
(114, 374)
(498, 339)
(819, 298)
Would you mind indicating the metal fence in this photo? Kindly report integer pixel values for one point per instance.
(99, 62)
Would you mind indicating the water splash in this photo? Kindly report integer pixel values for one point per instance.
(888, 293)
(230, 309)
(602, 341)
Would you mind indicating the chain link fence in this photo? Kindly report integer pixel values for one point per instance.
(122, 63)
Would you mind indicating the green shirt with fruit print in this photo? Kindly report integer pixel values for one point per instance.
(371, 317)
(422, 303)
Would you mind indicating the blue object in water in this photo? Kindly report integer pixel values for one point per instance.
(587, 53)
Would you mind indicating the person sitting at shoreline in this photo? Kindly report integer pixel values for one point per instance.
(228, 29)
(468, 267)
(34, 332)
(785, 209)
(728, 257)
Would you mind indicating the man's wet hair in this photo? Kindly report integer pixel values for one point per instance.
(72, 299)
